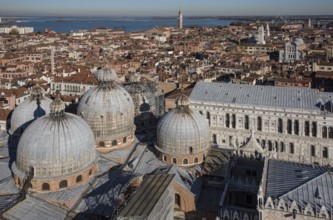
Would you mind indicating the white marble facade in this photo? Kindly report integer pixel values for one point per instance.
(295, 134)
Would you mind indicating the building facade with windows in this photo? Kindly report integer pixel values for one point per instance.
(257, 48)
(20, 30)
(293, 124)
(292, 52)
(76, 84)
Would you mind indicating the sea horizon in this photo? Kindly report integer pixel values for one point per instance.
(66, 24)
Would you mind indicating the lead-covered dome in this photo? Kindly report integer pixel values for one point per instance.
(299, 41)
(183, 135)
(57, 149)
(109, 110)
(144, 103)
(37, 105)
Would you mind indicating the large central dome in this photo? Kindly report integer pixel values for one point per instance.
(183, 135)
(58, 149)
(109, 110)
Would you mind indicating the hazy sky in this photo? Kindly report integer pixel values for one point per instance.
(165, 7)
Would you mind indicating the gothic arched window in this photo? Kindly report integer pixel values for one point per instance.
(324, 132)
(177, 201)
(259, 123)
(214, 139)
(291, 148)
(313, 150)
(289, 126)
(325, 152)
(296, 127)
(247, 122)
(280, 125)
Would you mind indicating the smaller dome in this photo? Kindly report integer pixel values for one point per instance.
(183, 135)
(144, 104)
(34, 107)
(299, 41)
(106, 75)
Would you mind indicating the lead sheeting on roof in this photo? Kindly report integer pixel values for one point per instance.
(283, 176)
(35, 209)
(266, 96)
(307, 185)
(147, 196)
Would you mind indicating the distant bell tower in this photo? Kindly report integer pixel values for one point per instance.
(309, 23)
(268, 33)
(180, 19)
(261, 35)
(52, 59)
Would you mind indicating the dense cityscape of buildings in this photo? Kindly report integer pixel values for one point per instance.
(232, 122)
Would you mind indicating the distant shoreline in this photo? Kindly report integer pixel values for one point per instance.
(70, 19)
(133, 24)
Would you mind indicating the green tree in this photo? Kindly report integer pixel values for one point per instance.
(14, 32)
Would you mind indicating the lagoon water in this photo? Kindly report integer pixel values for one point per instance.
(128, 24)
